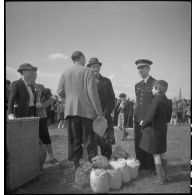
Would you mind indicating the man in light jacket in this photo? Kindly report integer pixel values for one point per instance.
(77, 85)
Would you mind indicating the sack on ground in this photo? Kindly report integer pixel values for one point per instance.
(122, 166)
(115, 179)
(133, 165)
(99, 180)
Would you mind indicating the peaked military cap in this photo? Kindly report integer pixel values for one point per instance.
(26, 66)
(143, 62)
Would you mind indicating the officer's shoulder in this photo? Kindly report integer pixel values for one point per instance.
(137, 84)
(152, 79)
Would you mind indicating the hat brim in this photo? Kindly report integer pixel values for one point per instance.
(88, 65)
(20, 70)
(143, 65)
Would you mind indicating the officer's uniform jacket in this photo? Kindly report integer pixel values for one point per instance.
(144, 97)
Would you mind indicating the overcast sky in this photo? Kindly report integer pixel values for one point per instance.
(45, 34)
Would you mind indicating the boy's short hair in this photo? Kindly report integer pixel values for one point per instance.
(76, 56)
(122, 95)
(161, 85)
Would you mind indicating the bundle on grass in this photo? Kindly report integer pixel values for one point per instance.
(119, 152)
(100, 162)
(82, 175)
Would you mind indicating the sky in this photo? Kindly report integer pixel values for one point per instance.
(118, 33)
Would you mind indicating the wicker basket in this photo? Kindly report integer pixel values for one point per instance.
(23, 148)
(82, 175)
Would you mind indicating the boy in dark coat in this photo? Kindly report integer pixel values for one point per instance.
(154, 135)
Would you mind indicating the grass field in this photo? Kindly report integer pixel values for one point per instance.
(60, 179)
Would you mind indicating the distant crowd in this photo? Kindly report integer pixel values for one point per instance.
(181, 112)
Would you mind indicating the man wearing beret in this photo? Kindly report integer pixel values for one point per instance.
(82, 105)
(22, 94)
(143, 91)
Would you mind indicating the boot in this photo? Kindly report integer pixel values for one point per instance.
(76, 165)
(124, 135)
(160, 177)
(164, 165)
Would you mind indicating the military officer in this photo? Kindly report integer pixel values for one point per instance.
(143, 91)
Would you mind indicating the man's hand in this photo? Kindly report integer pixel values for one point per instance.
(100, 116)
(11, 117)
(39, 105)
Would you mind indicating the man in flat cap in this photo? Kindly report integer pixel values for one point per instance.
(143, 91)
(22, 97)
(82, 105)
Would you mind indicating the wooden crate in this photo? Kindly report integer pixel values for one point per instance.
(23, 149)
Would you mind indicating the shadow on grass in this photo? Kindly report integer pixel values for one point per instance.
(54, 179)
(176, 173)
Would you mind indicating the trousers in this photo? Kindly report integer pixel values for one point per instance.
(80, 138)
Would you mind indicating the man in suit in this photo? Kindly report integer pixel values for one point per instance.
(82, 105)
(143, 91)
(22, 94)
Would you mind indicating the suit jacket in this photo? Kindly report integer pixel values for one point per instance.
(107, 101)
(144, 97)
(154, 135)
(19, 95)
(77, 85)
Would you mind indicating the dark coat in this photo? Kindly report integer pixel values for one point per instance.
(107, 101)
(128, 113)
(144, 97)
(154, 135)
(19, 95)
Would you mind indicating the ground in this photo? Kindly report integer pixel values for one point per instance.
(60, 179)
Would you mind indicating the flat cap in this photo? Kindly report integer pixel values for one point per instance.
(26, 66)
(143, 62)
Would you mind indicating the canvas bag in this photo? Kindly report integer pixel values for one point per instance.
(100, 125)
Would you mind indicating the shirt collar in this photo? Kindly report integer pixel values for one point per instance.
(146, 79)
(26, 83)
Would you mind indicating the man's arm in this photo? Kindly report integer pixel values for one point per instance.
(111, 103)
(61, 87)
(12, 98)
(93, 93)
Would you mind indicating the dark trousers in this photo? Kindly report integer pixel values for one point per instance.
(106, 150)
(31, 111)
(80, 138)
(146, 159)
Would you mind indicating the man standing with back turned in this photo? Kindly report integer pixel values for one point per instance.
(82, 105)
(143, 91)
